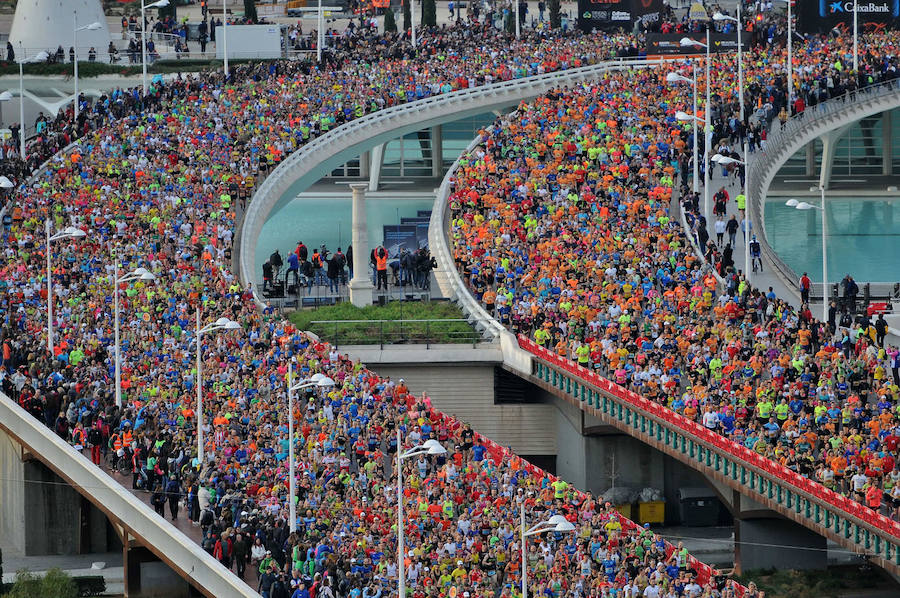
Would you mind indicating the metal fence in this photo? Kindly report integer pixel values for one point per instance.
(393, 332)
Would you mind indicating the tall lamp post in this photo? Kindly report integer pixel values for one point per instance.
(144, 7)
(707, 130)
(92, 27)
(70, 232)
(315, 381)
(429, 447)
(141, 274)
(790, 62)
(556, 523)
(320, 35)
(684, 117)
(225, 34)
(677, 78)
(803, 205)
(39, 57)
(737, 21)
(220, 324)
(855, 39)
(724, 161)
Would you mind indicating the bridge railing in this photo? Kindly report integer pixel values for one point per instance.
(385, 124)
(829, 498)
(782, 143)
(167, 542)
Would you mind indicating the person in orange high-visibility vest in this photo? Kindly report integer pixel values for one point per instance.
(381, 266)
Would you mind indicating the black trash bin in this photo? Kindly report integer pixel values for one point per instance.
(699, 507)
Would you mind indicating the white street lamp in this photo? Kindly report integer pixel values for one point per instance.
(92, 27)
(70, 232)
(803, 205)
(707, 130)
(855, 39)
(677, 78)
(517, 17)
(429, 447)
(143, 275)
(158, 4)
(737, 21)
(39, 57)
(318, 381)
(220, 324)
(556, 523)
(724, 161)
(790, 62)
(683, 117)
(225, 34)
(320, 34)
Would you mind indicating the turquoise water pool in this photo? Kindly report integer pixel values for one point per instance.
(315, 221)
(863, 238)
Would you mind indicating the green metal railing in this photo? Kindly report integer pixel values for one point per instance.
(845, 521)
(390, 332)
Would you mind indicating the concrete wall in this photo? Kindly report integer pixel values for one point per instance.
(12, 495)
(777, 543)
(53, 517)
(467, 392)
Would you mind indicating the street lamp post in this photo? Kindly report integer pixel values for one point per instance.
(225, 35)
(737, 21)
(707, 130)
(855, 39)
(724, 160)
(556, 523)
(137, 274)
(144, 7)
(70, 232)
(320, 35)
(518, 2)
(676, 78)
(684, 116)
(220, 324)
(803, 205)
(316, 380)
(429, 447)
(790, 62)
(412, 24)
(92, 27)
(39, 57)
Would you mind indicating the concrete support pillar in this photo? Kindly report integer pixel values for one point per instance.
(887, 144)
(360, 285)
(777, 543)
(437, 151)
(375, 165)
(364, 165)
(146, 576)
(829, 149)
(811, 158)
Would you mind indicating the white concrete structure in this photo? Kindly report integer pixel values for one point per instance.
(48, 24)
(361, 287)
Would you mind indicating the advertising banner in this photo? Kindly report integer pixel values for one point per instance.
(400, 236)
(604, 14)
(646, 11)
(820, 16)
(669, 44)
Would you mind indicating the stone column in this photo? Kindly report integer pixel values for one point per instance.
(437, 151)
(887, 145)
(360, 285)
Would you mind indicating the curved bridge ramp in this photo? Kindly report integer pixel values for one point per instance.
(799, 499)
(132, 518)
(318, 157)
(826, 120)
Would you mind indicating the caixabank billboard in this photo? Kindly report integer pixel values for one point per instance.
(820, 16)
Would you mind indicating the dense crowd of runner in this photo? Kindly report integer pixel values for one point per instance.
(154, 185)
(564, 228)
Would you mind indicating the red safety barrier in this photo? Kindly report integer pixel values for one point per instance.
(726, 444)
